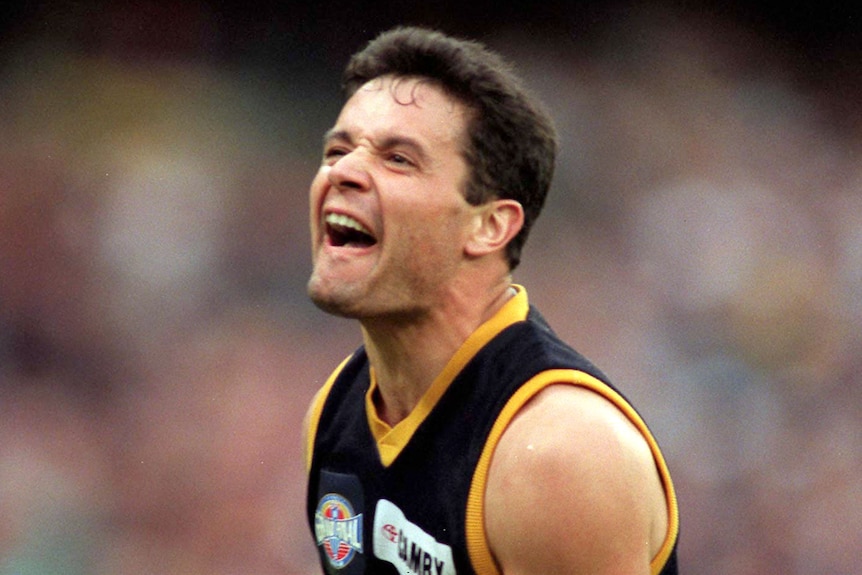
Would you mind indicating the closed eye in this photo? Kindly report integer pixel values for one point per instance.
(332, 154)
(401, 160)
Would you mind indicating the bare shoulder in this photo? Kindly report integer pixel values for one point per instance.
(573, 488)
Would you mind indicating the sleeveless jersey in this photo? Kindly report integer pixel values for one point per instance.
(409, 500)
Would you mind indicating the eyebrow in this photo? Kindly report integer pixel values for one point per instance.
(386, 143)
(333, 134)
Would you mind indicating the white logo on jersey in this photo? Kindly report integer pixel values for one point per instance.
(407, 546)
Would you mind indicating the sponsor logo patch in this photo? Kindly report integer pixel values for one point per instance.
(407, 546)
(338, 530)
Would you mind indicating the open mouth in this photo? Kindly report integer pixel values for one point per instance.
(344, 231)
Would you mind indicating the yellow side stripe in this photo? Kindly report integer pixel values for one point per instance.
(315, 411)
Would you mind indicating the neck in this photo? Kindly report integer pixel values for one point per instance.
(408, 355)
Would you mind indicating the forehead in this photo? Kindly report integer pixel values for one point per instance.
(405, 105)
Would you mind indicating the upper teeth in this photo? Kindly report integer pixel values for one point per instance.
(346, 222)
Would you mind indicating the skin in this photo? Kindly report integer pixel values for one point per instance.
(589, 497)
(394, 162)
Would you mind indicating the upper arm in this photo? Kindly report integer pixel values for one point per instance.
(573, 488)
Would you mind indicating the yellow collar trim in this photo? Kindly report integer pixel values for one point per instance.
(392, 440)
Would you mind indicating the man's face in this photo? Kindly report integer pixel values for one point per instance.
(388, 216)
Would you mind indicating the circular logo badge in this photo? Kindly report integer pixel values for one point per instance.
(338, 531)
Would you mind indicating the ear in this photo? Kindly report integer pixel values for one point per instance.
(495, 224)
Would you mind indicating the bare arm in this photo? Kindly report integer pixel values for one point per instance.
(573, 488)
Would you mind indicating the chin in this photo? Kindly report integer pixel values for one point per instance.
(334, 308)
(332, 303)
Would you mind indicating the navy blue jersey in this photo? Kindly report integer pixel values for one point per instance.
(409, 499)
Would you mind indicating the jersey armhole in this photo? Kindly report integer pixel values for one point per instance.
(477, 543)
(314, 412)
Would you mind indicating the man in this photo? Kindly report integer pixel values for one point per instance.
(463, 436)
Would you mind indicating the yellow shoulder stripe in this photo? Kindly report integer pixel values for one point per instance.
(315, 410)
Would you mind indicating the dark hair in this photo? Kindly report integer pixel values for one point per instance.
(511, 144)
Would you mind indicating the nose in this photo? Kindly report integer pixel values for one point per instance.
(349, 172)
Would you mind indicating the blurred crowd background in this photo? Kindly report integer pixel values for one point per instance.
(702, 244)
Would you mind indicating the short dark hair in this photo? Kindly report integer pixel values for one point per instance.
(511, 142)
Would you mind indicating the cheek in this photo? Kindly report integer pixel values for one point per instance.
(318, 183)
(315, 192)
(439, 236)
